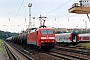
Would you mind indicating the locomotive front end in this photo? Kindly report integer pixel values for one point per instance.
(47, 38)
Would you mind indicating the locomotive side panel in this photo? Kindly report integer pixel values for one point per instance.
(32, 38)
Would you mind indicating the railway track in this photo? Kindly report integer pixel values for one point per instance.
(79, 51)
(10, 54)
(84, 49)
(71, 52)
(57, 54)
(66, 56)
(16, 54)
(37, 55)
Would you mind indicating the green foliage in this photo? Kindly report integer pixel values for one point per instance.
(58, 32)
(84, 31)
(4, 35)
(1, 44)
(86, 45)
(2, 47)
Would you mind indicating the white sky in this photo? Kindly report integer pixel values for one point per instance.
(17, 11)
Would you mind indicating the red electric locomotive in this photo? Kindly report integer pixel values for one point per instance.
(44, 38)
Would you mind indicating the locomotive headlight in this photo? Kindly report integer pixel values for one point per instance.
(43, 37)
(53, 41)
(42, 41)
(46, 41)
(51, 37)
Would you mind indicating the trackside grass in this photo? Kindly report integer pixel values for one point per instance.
(1, 45)
(86, 45)
(2, 48)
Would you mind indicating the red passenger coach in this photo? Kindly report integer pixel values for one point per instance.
(67, 38)
(84, 37)
(42, 37)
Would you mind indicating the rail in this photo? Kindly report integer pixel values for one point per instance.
(17, 58)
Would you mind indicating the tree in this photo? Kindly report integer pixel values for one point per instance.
(4, 35)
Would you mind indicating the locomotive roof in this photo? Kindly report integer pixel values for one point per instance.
(37, 29)
(63, 34)
(44, 28)
(84, 34)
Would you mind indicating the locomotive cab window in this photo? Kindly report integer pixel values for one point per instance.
(47, 32)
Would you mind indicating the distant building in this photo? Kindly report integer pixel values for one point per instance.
(60, 29)
(71, 29)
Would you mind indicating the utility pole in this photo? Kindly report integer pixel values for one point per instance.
(33, 21)
(80, 3)
(30, 21)
(85, 25)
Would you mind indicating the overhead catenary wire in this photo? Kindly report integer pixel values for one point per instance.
(16, 6)
(14, 10)
(58, 7)
(18, 12)
(7, 12)
(47, 6)
(12, 13)
(19, 9)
